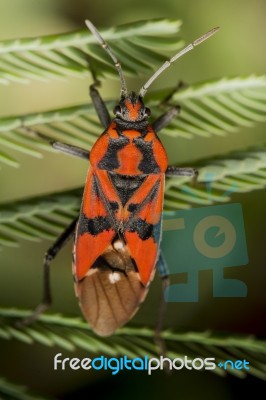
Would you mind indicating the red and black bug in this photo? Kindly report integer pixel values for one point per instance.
(117, 235)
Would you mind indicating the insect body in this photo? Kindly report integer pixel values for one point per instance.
(118, 232)
(117, 235)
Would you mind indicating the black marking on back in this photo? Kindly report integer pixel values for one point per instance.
(148, 164)
(110, 161)
(142, 228)
(114, 205)
(95, 225)
(146, 230)
(126, 185)
(135, 208)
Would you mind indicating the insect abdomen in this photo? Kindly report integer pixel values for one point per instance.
(111, 292)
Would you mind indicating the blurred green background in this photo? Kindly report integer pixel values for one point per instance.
(238, 49)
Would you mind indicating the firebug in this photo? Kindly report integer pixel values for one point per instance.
(118, 231)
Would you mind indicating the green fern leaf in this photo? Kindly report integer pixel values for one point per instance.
(217, 107)
(71, 333)
(13, 391)
(46, 216)
(237, 172)
(66, 55)
(79, 125)
(39, 217)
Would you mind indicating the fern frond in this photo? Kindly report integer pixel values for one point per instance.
(218, 107)
(72, 333)
(140, 46)
(47, 216)
(13, 391)
(39, 217)
(202, 114)
(237, 172)
(77, 125)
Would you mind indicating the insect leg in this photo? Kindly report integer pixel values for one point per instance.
(71, 150)
(60, 146)
(166, 118)
(162, 121)
(99, 105)
(164, 274)
(48, 258)
(172, 170)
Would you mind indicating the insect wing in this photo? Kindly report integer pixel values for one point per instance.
(143, 232)
(95, 228)
(109, 299)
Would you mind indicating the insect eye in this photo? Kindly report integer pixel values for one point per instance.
(147, 112)
(117, 110)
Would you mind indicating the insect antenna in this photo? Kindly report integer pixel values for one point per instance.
(167, 64)
(105, 46)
